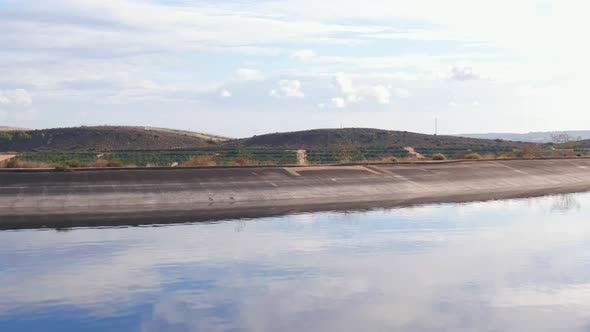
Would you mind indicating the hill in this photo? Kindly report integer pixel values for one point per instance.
(534, 137)
(357, 144)
(366, 137)
(103, 138)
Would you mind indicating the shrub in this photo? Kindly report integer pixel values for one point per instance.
(393, 159)
(530, 150)
(489, 156)
(24, 135)
(473, 156)
(114, 163)
(73, 163)
(460, 155)
(62, 168)
(439, 156)
(200, 161)
(5, 136)
(99, 163)
(15, 163)
(10, 163)
(507, 155)
(239, 161)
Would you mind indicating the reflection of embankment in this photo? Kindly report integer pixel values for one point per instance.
(32, 199)
(565, 202)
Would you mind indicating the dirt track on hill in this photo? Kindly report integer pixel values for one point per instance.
(6, 156)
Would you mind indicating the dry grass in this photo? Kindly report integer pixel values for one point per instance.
(15, 163)
(473, 156)
(489, 156)
(507, 155)
(99, 163)
(114, 163)
(391, 159)
(412, 159)
(266, 163)
(439, 156)
(200, 161)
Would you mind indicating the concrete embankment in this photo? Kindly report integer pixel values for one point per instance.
(143, 196)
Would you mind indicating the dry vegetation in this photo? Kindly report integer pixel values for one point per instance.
(200, 161)
(15, 163)
(439, 156)
(474, 156)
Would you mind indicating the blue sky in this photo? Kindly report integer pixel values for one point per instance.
(240, 68)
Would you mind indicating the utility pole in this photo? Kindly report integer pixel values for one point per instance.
(435, 126)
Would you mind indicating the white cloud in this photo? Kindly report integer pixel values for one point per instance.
(288, 88)
(225, 93)
(303, 55)
(245, 74)
(401, 93)
(4, 100)
(352, 93)
(338, 102)
(381, 94)
(343, 83)
(15, 98)
(463, 74)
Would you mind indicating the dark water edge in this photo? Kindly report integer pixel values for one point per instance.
(510, 265)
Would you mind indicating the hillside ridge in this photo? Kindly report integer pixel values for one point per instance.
(103, 138)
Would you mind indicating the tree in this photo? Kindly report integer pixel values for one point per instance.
(561, 138)
(565, 140)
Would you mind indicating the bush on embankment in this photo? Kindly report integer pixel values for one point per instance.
(439, 156)
(15, 163)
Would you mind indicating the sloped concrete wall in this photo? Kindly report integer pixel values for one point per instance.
(46, 198)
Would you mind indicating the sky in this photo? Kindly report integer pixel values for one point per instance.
(239, 68)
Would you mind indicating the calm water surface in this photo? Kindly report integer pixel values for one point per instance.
(518, 265)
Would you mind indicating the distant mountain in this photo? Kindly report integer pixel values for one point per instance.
(103, 138)
(534, 137)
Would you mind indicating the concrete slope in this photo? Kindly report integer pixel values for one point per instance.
(142, 196)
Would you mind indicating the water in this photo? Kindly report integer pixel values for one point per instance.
(518, 265)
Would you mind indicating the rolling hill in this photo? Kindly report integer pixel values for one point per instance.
(357, 144)
(366, 137)
(103, 138)
(157, 146)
